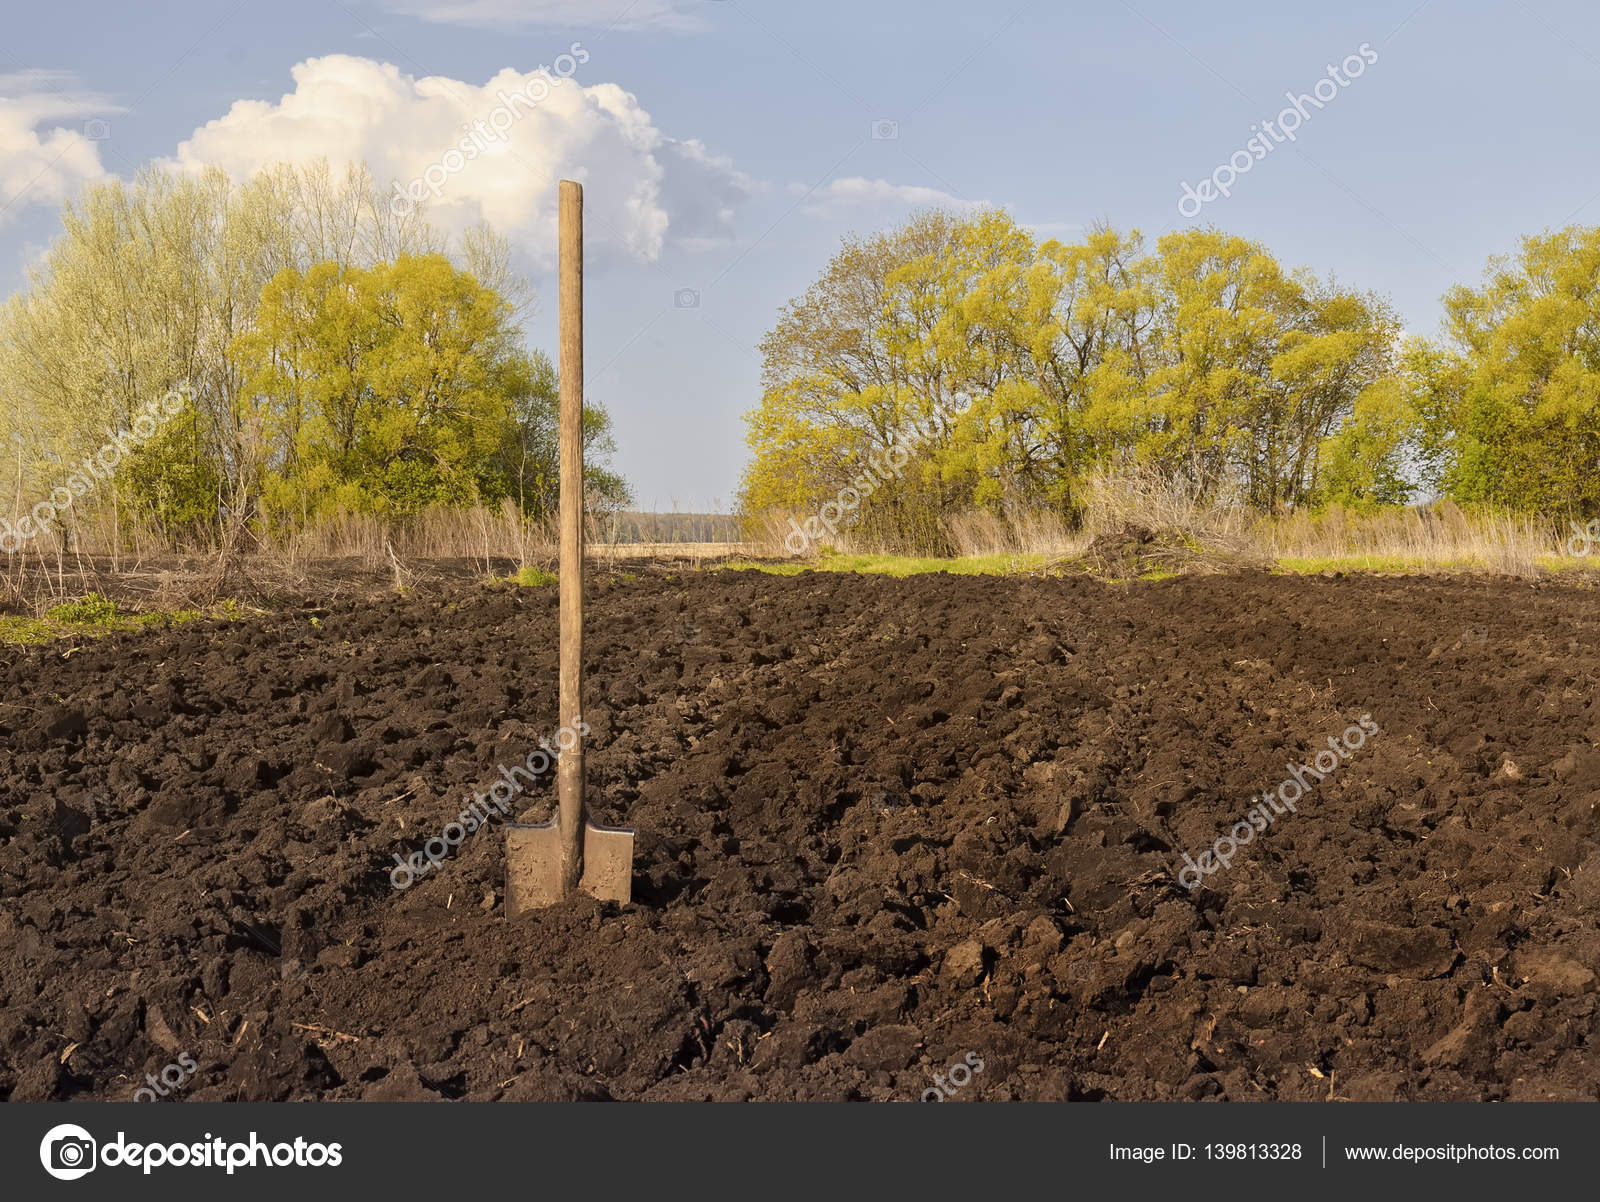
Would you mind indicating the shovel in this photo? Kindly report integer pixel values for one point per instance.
(546, 864)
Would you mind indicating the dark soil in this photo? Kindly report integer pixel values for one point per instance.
(883, 825)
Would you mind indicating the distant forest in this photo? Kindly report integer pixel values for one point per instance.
(670, 528)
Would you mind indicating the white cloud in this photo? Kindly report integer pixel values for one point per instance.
(669, 15)
(856, 194)
(642, 188)
(45, 166)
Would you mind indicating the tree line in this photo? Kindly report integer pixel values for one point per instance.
(1202, 360)
(334, 358)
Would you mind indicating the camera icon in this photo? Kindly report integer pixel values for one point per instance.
(686, 298)
(67, 1152)
(885, 131)
(96, 129)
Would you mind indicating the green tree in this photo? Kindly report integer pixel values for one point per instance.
(1027, 366)
(1511, 414)
(527, 465)
(332, 355)
(398, 387)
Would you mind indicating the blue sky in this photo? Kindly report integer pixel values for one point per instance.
(729, 144)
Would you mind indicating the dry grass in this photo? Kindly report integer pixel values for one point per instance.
(481, 533)
(1442, 537)
(1170, 511)
(1018, 531)
(345, 555)
(1137, 524)
(971, 534)
(1133, 525)
(764, 533)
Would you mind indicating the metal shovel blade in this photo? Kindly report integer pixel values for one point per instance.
(533, 865)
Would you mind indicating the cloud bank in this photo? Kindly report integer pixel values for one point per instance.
(45, 166)
(855, 194)
(644, 190)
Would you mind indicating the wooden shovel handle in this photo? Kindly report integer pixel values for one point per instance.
(569, 774)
